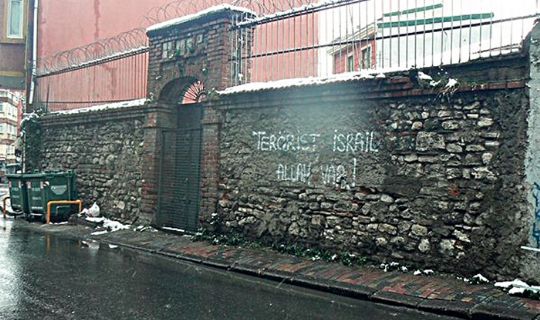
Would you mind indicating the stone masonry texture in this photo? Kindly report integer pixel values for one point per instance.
(104, 149)
(388, 168)
(433, 178)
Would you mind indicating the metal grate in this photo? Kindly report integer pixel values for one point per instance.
(339, 36)
(179, 191)
(120, 77)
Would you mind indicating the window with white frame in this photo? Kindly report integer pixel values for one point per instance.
(15, 19)
(366, 58)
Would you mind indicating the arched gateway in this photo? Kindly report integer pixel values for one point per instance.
(187, 56)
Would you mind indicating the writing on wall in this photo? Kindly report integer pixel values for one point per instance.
(311, 171)
(536, 224)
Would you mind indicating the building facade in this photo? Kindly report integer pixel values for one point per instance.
(14, 23)
(15, 59)
(11, 103)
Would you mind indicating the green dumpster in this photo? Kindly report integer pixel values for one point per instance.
(17, 193)
(50, 186)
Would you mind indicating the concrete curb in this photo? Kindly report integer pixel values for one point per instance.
(441, 307)
(486, 307)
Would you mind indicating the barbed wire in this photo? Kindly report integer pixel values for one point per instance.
(98, 50)
(134, 39)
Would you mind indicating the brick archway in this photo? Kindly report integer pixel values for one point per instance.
(185, 90)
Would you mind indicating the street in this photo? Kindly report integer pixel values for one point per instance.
(43, 276)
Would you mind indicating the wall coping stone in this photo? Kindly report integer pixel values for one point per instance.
(95, 116)
(397, 84)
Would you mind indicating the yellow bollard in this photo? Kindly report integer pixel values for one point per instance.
(5, 208)
(50, 203)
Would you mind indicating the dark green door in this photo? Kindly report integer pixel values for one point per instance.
(179, 194)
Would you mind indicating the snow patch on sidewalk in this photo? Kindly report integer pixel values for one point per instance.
(518, 287)
(108, 224)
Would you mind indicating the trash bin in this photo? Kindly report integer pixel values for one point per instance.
(49, 186)
(17, 193)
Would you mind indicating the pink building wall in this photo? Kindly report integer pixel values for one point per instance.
(68, 24)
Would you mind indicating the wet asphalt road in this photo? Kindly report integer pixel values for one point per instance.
(43, 276)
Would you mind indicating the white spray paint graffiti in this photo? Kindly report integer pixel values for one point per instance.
(328, 174)
(354, 142)
(339, 174)
(286, 142)
(300, 172)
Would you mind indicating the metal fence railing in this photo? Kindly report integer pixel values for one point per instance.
(115, 69)
(338, 36)
(296, 39)
(118, 77)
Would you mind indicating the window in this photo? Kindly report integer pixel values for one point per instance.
(366, 58)
(350, 63)
(15, 19)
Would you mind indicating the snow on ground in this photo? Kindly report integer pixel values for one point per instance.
(480, 278)
(517, 286)
(114, 225)
(145, 228)
(426, 272)
(200, 14)
(115, 105)
(108, 224)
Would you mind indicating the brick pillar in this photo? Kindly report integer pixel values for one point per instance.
(209, 163)
(199, 48)
(159, 116)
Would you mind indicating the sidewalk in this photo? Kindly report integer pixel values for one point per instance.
(443, 295)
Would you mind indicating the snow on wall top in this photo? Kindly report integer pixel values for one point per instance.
(115, 105)
(200, 14)
(301, 82)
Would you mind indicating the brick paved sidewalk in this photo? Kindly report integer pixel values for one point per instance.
(437, 294)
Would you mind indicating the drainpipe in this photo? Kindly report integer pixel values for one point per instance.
(34, 53)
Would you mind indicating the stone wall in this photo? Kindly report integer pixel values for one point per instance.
(104, 149)
(391, 169)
